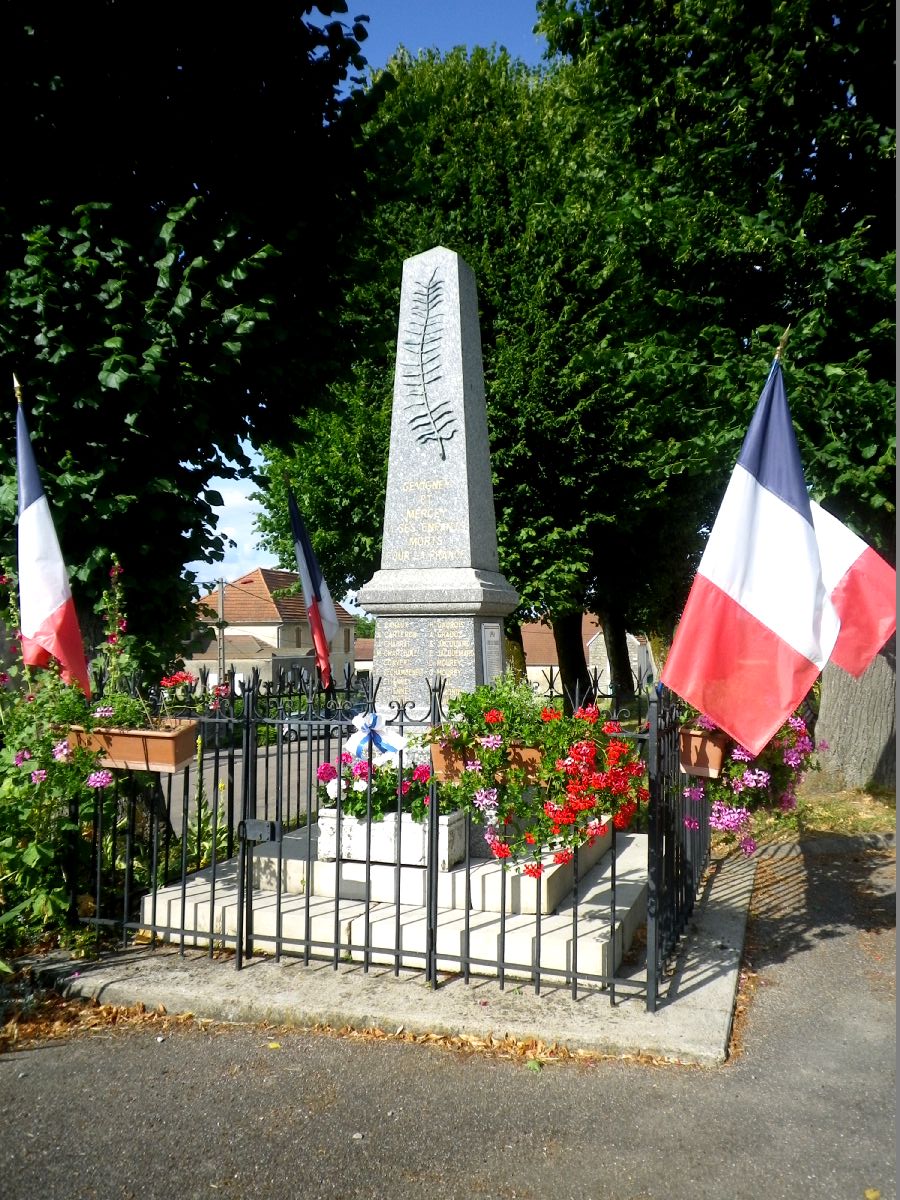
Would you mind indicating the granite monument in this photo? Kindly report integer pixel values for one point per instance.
(439, 599)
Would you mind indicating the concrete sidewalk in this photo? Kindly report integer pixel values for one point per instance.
(692, 1023)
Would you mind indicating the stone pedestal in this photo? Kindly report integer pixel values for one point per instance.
(439, 599)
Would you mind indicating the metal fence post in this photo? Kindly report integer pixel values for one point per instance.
(654, 856)
(244, 940)
(433, 852)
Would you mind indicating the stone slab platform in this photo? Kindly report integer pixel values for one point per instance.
(206, 909)
(692, 1024)
(490, 887)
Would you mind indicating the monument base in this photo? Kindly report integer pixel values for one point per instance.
(442, 622)
(438, 591)
(412, 651)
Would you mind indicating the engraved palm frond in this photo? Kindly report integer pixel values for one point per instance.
(431, 417)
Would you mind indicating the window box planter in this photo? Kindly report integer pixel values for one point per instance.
(165, 750)
(702, 751)
(413, 838)
(448, 764)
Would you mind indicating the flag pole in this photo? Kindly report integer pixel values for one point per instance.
(782, 344)
(17, 388)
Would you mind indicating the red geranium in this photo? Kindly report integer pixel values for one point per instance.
(586, 779)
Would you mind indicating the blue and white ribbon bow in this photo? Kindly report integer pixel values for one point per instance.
(372, 731)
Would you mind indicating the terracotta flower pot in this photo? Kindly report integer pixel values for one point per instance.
(166, 749)
(448, 765)
(702, 751)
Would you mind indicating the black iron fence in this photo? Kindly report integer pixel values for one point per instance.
(677, 844)
(229, 853)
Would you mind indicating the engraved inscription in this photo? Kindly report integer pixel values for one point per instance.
(410, 652)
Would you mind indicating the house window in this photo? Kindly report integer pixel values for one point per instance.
(346, 641)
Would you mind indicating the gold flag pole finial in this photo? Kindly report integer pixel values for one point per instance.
(17, 388)
(782, 344)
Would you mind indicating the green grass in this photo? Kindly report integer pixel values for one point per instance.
(824, 806)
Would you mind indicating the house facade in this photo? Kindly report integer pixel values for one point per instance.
(264, 625)
(542, 660)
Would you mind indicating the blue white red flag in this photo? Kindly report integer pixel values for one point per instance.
(782, 588)
(46, 609)
(323, 622)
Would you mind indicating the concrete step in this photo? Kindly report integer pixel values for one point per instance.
(207, 910)
(514, 940)
(492, 888)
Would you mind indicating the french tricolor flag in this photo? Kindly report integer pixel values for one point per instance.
(782, 588)
(323, 622)
(46, 609)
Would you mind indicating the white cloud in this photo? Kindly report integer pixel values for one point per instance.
(236, 521)
(236, 494)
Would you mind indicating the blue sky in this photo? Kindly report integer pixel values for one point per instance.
(443, 24)
(416, 25)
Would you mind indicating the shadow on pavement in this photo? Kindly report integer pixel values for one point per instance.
(810, 891)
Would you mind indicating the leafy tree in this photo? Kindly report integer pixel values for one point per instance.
(759, 139)
(641, 235)
(365, 627)
(169, 229)
(770, 128)
(338, 471)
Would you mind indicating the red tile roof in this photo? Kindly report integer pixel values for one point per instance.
(250, 600)
(238, 648)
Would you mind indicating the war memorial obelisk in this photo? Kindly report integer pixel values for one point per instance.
(438, 599)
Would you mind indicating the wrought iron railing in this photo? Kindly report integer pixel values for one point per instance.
(174, 856)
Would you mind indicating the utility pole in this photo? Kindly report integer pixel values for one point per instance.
(221, 626)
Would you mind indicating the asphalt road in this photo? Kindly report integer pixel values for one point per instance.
(223, 778)
(805, 1108)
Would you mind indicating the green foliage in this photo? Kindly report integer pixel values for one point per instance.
(139, 289)
(45, 800)
(642, 231)
(63, 816)
(641, 234)
(523, 722)
(755, 148)
(365, 627)
(338, 472)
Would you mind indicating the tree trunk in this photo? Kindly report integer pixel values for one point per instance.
(858, 720)
(576, 680)
(515, 652)
(621, 677)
